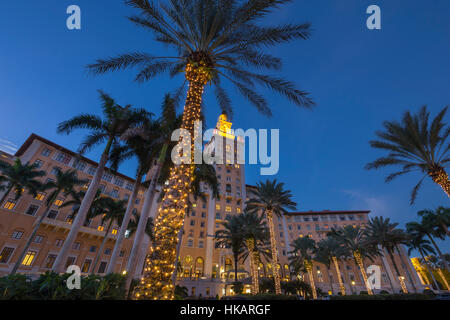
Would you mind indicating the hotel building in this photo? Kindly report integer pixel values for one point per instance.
(204, 268)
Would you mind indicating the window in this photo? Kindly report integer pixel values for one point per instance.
(101, 228)
(70, 261)
(29, 258)
(118, 181)
(217, 206)
(129, 186)
(38, 239)
(102, 267)
(46, 152)
(10, 204)
(38, 163)
(202, 224)
(108, 251)
(69, 218)
(59, 242)
(115, 230)
(121, 253)
(63, 158)
(202, 234)
(190, 243)
(126, 197)
(218, 216)
(299, 227)
(92, 249)
(76, 246)
(192, 222)
(102, 188)
(137, 201)
(79, 165)
(6, 254)
(193, 213)
(40, 196)
(342, 218)
(228, 208)
(92, 170)
(115, 193)
(50, 261)
(200, 244)
(86, 265)
(203, 214)
(32, 209)
(55, 170)
(58, 202)
(107, 176)
(52, 214)
(16, 235)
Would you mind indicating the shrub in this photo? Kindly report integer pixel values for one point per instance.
(238, 287)
(14, 287)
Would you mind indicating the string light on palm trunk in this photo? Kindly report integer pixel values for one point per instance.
(440, 177)
(360, 263)
(403, 284)
(338, 272)
(156, 282)
(273, 246)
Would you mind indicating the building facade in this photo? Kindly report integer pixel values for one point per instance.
(204, 268)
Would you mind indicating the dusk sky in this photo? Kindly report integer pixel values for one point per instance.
(357, 77)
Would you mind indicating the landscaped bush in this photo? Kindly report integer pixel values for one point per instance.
(52, 286)
(409, 296)
(262, 296)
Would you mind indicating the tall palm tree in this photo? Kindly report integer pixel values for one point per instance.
(64, 185)
(417, 242)
(213, 41)
(301, 258)
(232, 237)
(329, 251)
(271, 199)
(383, 232)
(113, 212)
(438, 220)
(415, 145)
(18, 177)
(421, 229)
(438, 264)
(116, 120)
(354, 238)
(256, 235)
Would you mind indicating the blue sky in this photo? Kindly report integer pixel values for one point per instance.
(358, 78)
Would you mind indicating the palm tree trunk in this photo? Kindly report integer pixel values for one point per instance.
(140, 231)
(124, 226)
(100, 250)
(236, 259)
(440, 177)
(82, 212)
(400, 278)
(177, 261)
(360, 263)
(407, 269)
(273, 247)
(311, 279)
(253, 265)
(331, 280)
(157, 284)
(444, 280)
(30, 239)
(338, 272)
(428, 269)
(6, 194)
(444, 261)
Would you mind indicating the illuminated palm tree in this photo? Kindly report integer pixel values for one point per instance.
(271, 199)
(64, 185)
(301, 258)
(423, 228)
(417, 242)
(213, 42)
(116, 120)
(329, 251)
(415, 145)
(19, 177)
(354, 238)
(256, 235)
(386, 234)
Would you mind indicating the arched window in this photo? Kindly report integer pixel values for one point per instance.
(199, 267)
(286, 271)
(187, 266)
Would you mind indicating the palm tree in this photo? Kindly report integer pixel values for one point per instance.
(437, 220)
(18, 177)
(302, 259)
(417, 242)
(438, 264)
(330, 251)
(415, 145)
(271, 199)
(232, 237)
(113, 211)
(386, 234)
(213, 41)
(422, 229)
(354, 238)
(116, 120)
(256, 235)
(63, 185)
